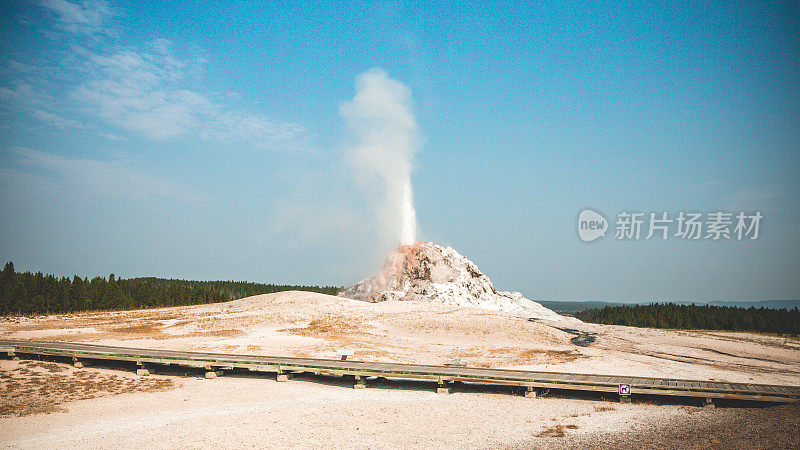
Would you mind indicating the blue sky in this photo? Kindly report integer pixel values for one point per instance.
(206, 142)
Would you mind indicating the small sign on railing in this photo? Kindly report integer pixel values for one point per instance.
(624, 389)
(344, 353)
(456, 362)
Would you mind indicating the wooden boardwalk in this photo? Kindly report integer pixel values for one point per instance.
(215, 362)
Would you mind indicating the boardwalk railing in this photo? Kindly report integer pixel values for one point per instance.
(213, 363)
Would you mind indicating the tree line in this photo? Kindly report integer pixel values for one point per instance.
(29, 293)
(239, 289)
(705, 317)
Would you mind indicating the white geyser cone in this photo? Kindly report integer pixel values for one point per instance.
(427, 272)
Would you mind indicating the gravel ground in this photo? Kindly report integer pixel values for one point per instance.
(772, 427)
(244, 411)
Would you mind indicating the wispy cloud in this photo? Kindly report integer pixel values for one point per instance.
(104, 178)
(56, 120)
(20, 94)
(145, 90)
(145, 93)
(231, 124)
(86, 17)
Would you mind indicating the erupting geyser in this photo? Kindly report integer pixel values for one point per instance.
(408, 216)
(380, 117)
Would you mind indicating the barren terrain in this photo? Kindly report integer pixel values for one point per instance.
(55, 404)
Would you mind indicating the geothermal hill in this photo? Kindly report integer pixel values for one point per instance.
(428, 272)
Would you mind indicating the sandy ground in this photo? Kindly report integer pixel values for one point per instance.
(238, 411)
(243, 410)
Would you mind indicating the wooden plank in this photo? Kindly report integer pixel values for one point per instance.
(778, 389)
(595, 378)
(782, 390)
(734, 396)
(793, 390)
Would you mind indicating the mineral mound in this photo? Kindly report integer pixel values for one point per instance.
(428, 272)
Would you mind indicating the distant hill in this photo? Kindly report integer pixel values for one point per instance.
(772, 304)
(572, 308)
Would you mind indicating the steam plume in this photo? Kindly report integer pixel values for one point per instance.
(380, 117)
